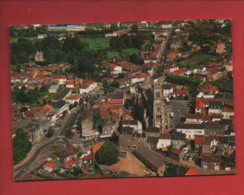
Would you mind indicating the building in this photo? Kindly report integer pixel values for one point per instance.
(53, 89)
(152, 160)
(191, 130)
(39, 56)
(87, 86)
(158, 107)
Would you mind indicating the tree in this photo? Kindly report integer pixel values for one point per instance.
(114, 27)
(21, 145)
(50, 132)
(69, 133)
(134, 29)
(108, 154)
(134, 58)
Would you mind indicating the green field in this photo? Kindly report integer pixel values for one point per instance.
(195, 60)
(96, 43)
(125, 52)
(55, 147)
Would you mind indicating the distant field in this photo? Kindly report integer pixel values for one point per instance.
(193, 61)
(96, 43)
(125, 52)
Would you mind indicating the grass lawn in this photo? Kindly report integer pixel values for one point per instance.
(125, 52)
(195, 60)
(52, 95)
(111, 54)
(55, 147)
(96, 43)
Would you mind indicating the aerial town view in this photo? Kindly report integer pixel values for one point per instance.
(122, 99)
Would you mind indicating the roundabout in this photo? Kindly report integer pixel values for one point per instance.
(55, 147)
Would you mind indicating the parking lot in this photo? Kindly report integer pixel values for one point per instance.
(179, 108)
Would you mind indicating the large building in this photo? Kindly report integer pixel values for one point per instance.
(158, 106)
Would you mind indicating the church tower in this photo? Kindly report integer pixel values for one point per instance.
(158, 106)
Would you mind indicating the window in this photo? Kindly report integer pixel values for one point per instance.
(158, 109)
(157, 94)
(158, 116)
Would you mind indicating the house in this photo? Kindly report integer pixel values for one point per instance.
(115, 69)
(229, 67)
(152, 160)
(87, 86)
(177, 154)
(39, 56)
(167, 89)
(181, 92)
(191, 130)
(63, 94)
(220, 48)
(228, 113)
(59, 106)
(178, 140)
(139, 78)
(61, 79)
(136, 125)
(179, 72)
(215, 107)
(164, 141)
(73, 99)
(70, 164)
(193, 171)
(125, 82)
(197, 118)
(49, 166)
(210, 162)
(172, 55)
(128, 140)
(69, 84)
(53, 89)
(126, 66)
(153, 132)
(87, 159)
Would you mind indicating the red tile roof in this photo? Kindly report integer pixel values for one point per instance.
(58, 77)
(88, 157)
(50, 164)
(181, 92)
(165, 136)
(173, 53)
(70, 162)
(193, 171)
(116, 101)
(180, 71)
(199, 139)
(96, 147)
(86, 83)
(228, 109)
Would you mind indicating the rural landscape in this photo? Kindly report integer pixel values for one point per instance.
(122, 99)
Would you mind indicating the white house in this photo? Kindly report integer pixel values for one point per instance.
(229, 67)
(70, 84)
(173, 68)
(115, 69)
(73, 99)
(164, 141)
(215, 107)
(60, 78)
(227, 113)
(136, 125)
(191, 130)
(49, 166)
(87, 86)
(167, 89)
(139, 78)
